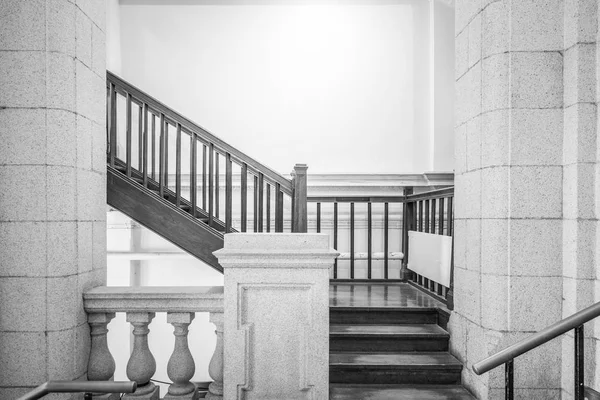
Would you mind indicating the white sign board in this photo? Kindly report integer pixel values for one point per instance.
(430, 255)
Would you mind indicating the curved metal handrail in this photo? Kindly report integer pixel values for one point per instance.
(79, 386)
(537, 339)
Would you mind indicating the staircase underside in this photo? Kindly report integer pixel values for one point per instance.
(389, 341)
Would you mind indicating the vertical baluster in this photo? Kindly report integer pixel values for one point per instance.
(318, 217)
(509, 393)
(244, 194)
(450, 216)
(261, 182)
(101, 364)
(433, 214)
(161, 156)
(421, 216)
(145, 146)
(579, 363)
(228, 192)
(215, 368)
(141, 365)
(278, 208)
(112, 127)
(166, 165)
(369, 240)
(140, 159)
(211, 164)
(352, 240)
(193, 173)
(385, 240)
(255, 203)
(153, 146)
(181, 366)
(217, 189)
(441, 217)
(128, 136)
(204, 191)
(178, 166)
(335, 238)
(426, 216)
(268, 208)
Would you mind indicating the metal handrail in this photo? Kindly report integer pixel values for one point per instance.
(537, 339)
(79, 386)
(431, 194)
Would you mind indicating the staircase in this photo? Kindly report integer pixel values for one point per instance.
(391, 347)
(392, 351)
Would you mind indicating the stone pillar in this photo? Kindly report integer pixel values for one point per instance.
(276, 334)
(53, 198)
(509, 189)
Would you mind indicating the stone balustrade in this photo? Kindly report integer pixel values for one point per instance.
(140, 305)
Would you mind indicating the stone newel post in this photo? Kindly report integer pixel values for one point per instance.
(276, 315)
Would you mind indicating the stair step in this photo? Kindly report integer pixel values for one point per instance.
(398, 392)
(382, 315)
(398, 368)
(387, 338)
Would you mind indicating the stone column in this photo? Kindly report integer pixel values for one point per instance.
(276, 335)
(509, 189)
(53, 174)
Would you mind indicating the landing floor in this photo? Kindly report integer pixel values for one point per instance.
(374, 294)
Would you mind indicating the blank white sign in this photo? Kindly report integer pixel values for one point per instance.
(430, 256)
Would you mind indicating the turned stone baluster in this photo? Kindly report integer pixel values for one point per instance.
(141, 365)
(215, 368)
(101, 364)
(181, 365)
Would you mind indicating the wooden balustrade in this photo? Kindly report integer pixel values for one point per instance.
(162, 146)
(140, 305)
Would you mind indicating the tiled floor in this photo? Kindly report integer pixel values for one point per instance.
(342, 294)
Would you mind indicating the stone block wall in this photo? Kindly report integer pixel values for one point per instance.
(527, 186)
(53, 197)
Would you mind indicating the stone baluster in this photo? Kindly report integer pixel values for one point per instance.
(101, 364)
(181, 365)
(215, 368)
(141, 365)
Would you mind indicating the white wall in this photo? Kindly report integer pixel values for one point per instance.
(340, 86)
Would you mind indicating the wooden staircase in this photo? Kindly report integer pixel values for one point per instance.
(392, 352)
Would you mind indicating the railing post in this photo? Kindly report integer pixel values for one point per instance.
(509, 381)
(407, 224)
(141, 365)
(101, 364)
(299, 207)
(579, 364)
(450, 293)
(181, 365)
(215, 368)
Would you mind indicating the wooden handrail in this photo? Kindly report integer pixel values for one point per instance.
(78, 387)
(355, 199)
(537, 339)
(198, 131)
(432, 194)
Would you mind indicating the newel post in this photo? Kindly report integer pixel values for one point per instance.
(407, 225)
(299, 206)
(276, 326)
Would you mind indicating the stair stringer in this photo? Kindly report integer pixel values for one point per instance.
(163, 218)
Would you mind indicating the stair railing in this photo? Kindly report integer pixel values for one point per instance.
(87, 387)
(429, 212)
(575, 322)
(141, 135)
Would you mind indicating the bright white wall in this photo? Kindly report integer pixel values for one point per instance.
(330, 84)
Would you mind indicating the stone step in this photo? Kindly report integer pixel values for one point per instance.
(398, 368)
(387, 338)
(382, 315)
(398, 392)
